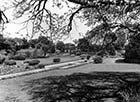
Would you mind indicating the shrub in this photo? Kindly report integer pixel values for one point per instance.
(72, 55)
(26, 61)
(101, 53)
(111, 50)
(27, 67)
(72, 52)
(78, 53)
(2, 59)
(38, 53)
(10, 63)
(18, 57)
(88, 57)
(39, 66)
(83, 55)
(98, 59)
(132, 50)
(56, 60)
(33, 62)
(47, 56)
(28, 54)
(58, 52)
(82, 58)
(85, 60)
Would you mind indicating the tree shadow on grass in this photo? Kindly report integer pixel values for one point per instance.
(131, 61)
(120, 61)
(81, 87)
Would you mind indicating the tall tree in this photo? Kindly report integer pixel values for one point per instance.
(3, 17)
(60, 46)
(84, 44)
(111, 13)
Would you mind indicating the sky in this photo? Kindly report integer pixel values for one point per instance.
(14, 26)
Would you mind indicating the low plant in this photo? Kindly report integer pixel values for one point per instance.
(28, 54)
(39, 66)
(56, 60)
(72, 55)
(82, 58)
(10, 63)
(88, 57)
(33, 62)
(78, 53)
(2, 59)
(18, 57)
(98, 59)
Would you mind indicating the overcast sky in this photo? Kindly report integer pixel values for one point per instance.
(14, 25)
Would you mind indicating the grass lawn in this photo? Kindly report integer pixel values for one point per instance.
(63, 59)
(106, 82)
(20, 67)
(49, 60)
(64, 85)
(90, 87)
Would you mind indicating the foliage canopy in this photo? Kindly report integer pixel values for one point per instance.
(111, 14)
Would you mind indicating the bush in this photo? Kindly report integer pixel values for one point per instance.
(10, 63)
(18, 57)
(58, 52)
(111, 50)
(78, 53)
(98, 59)
(83, 55)
(28, 54)
(56, 60)
(33, 62)
(132, 50)
(38, 53)
(82, 58)
(26, 61)
(47, 56)
(88, 57)
(85, 60)
(39, 66)
(72, 55)
(73, 52)
(2, 59)
(101, 53)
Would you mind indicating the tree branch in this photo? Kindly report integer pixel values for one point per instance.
(3, 15)
(72, 16)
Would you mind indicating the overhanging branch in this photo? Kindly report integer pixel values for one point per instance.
(72, 16)
(74, 13)
(2, 17)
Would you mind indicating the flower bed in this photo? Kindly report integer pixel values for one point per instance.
(22, 66)
(6, 69)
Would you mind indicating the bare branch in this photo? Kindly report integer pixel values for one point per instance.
(72, 16)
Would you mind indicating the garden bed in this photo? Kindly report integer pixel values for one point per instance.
(21, 66)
